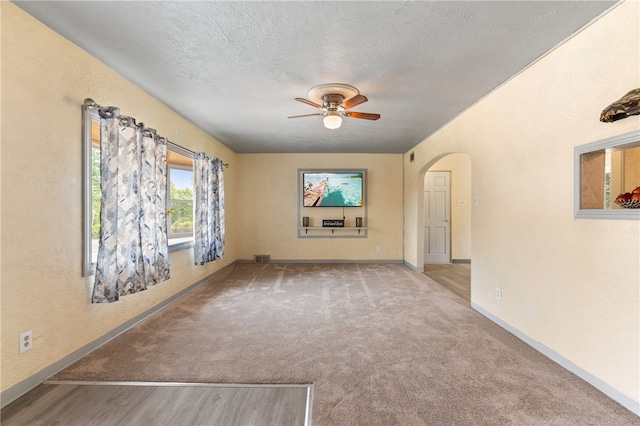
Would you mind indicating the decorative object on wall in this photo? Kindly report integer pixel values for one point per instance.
(133, 248)
(334, 99)
(624, 107)
(209, 224)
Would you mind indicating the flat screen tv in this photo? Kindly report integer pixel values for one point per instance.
(333, 189)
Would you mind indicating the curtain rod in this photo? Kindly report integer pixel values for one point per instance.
(90, 103)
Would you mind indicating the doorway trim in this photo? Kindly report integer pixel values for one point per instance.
(419, 224)
(420, 204)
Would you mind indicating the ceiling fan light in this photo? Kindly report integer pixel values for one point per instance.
(332, 122)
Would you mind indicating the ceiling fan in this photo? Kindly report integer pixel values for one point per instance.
(335, 99)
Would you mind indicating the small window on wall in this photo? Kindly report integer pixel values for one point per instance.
(607, 178)
(180, 197)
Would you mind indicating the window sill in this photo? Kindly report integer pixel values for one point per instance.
(176, 244)
(627, 214)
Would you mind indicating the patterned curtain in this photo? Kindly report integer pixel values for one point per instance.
(208, 226)
(133, 251)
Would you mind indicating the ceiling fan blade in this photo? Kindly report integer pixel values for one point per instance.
(308, 102)
(356, 100)
(305, 115)
(365, 115)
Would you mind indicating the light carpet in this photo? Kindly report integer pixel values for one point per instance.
(383, 345)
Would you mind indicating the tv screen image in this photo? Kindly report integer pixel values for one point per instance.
(333, 189)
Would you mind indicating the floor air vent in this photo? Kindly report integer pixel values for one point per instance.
(262, 258)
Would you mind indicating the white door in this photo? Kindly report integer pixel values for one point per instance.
(437, 217)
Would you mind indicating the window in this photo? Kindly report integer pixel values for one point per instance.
(180, 197)
(603, 170)
(91, 189)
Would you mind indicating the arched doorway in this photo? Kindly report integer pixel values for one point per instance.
(444, 221)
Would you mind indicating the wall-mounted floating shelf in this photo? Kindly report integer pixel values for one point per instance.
(325, 228)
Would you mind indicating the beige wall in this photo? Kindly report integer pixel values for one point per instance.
(269, 198)
(44, 82)
(460, 167)
(570, 284)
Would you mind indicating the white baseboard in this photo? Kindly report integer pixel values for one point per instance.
(377, 261)
(16, 391)
(607, 389)
(414, 267)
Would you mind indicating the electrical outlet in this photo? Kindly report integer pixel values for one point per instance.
(498, 293)
(26, 341)
(378, 247)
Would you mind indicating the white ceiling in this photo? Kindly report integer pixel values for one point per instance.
(234, 67)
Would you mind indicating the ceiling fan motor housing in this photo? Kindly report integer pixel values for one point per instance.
(332, 101)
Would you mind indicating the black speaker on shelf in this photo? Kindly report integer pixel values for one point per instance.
(359, 222)
(305, 221)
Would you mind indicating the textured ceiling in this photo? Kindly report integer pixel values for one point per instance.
(233, 68)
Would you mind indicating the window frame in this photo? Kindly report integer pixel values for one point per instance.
(627, 140)
(89, 115)
(180, 245)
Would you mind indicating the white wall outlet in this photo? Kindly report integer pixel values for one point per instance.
(378, 247)
(461, 202)
(476, 200)
(26, 341)
(498, 293)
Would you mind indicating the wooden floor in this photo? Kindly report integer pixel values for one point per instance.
(77, 403)
(454, 277)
